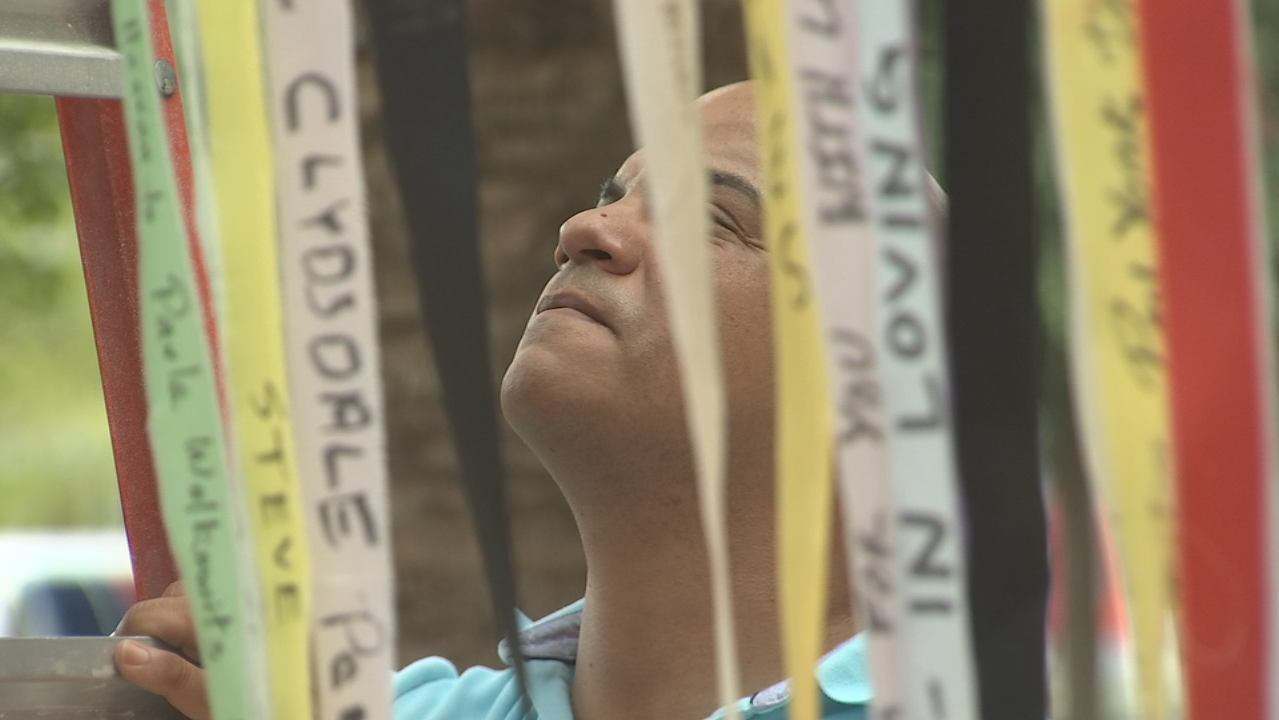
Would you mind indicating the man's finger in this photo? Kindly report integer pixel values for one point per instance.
(166, 674)
(167, 619)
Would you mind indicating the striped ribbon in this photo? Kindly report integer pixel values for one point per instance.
(804, 418)
(936, 677)
(243, 184)
(1117, 343)
(202, 512)
(661, 58)
(333, 354)
(1215, 272)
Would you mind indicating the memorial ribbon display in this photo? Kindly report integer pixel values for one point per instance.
(833, 179)
(906, 370)
(805, 450)
(331, 343)
(660, 44)
(202, 510)
(1214, 267)
(936, 657)
(243, 174)
(1116, 337)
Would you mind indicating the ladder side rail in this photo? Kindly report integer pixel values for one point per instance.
(102, 198)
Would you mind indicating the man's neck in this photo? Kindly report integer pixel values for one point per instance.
(647, 642)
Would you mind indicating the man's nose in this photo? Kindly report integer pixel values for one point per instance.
(601, 236)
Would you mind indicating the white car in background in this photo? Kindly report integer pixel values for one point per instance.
(55, 583)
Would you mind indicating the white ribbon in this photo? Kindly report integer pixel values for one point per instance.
(659, 44)
(936, 677)
(833, 178)
(332, 352)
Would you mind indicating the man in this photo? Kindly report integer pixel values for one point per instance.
(592, 390)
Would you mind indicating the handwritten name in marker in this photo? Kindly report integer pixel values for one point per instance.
(1117, 337)
(824, 71)
(936, 657)
(332, 352)
(184, 418)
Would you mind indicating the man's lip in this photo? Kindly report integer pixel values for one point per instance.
(571, 301)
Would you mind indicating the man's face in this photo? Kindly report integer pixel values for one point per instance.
(596, 361)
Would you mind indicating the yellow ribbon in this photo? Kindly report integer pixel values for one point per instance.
(263, 438)
(1117, 340)
(804, 415)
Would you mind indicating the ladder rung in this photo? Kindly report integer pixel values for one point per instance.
(71, 677)
(58, 47)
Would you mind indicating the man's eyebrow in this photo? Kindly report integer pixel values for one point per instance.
(736, 182)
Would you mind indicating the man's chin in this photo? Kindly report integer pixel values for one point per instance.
(548, 379)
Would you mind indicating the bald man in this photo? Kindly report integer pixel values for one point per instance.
(592, 390)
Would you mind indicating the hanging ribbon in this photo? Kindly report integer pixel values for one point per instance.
(331, 337)
(1215, 271)
(804, 417)
(426, 98)
(662, 62)
(936, 652)
(1099, 117)
(184, 26)
(991, 316)
(243, 175)
(832, 177)
(201, 510)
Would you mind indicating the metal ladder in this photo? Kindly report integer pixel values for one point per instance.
(64, 48)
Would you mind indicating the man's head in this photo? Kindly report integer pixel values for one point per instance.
(594, 379)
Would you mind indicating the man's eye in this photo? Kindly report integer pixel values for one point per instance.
(724, 220)
(722, 228)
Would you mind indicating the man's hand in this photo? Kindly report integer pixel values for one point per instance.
(170, 674)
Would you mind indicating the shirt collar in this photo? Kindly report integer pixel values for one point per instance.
(842, 674)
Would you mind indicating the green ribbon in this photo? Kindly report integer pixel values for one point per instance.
(184, 420)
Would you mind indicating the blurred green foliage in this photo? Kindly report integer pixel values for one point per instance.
(55, 453)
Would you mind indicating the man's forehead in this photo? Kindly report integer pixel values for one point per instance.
(728, 122)
(728, 133)
(731, 105)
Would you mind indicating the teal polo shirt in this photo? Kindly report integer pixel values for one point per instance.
(432, 689)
